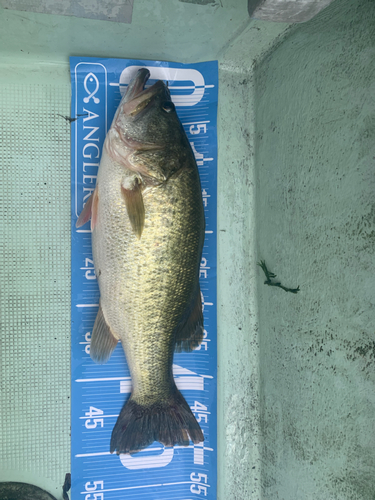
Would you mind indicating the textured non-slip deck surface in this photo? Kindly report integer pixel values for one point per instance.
(35, 282)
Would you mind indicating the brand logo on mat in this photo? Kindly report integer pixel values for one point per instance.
(90, 130)
(91, 81)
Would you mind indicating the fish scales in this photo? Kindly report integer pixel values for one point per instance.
(145, 283)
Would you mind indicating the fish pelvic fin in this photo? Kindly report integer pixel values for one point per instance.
(189, 332)
(103, 342)
(90, 210)
(170, 421)
(132, 192)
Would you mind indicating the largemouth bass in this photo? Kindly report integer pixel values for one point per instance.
(147, 223)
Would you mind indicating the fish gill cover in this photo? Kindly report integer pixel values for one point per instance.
(99, 391)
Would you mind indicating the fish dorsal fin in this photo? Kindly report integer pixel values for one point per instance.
(90, 210)
(103, 342)
(189, 332)
(132, 191)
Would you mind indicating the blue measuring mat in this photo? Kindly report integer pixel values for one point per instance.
(99, 391)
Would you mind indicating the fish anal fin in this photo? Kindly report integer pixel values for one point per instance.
(189, 332)
(103, 342)
(132, 191)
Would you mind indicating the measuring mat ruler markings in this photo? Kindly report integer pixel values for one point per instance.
(100, 390)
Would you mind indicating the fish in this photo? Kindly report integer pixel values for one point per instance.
(148, 228)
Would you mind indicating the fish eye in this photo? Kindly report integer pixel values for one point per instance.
(168, 106)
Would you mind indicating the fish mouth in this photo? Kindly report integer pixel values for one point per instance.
(137, 98)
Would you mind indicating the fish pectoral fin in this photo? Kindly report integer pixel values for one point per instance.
(189, 332)
(90, 210)
(103, 342)
(132, 191)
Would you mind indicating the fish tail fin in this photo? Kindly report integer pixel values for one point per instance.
(171, 422)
